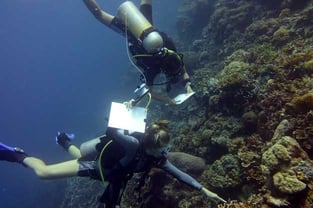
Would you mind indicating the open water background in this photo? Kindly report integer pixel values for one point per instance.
(59, 70)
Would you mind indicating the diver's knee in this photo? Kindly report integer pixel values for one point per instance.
(42, 174)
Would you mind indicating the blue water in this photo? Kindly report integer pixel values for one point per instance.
(59, 70)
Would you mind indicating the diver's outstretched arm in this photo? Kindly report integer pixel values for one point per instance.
(184, 177)
(74, 152)
(96, 10)
(65, 141)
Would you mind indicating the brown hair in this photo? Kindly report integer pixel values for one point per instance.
(157, 135)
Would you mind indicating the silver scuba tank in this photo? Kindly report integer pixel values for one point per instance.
(137, 24)
(133, 18)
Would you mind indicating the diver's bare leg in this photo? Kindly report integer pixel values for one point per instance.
(58, 170)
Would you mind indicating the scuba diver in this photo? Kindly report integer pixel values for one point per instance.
(112, 158)
(152, 51)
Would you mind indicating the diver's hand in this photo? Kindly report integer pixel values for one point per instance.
(129, 104)
(213, 196)
(171, 102)
(188, 88)
(64, 140)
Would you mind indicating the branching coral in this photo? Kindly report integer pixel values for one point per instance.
(234, 204)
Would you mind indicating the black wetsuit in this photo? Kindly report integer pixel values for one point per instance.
(152, 65)
(121, 158)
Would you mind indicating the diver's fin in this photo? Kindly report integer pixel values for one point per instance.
(12, 154)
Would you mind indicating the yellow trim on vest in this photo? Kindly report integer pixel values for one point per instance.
(104, 183)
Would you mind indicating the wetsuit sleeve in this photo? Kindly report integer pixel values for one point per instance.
(118, 26)
(146, 10)
(129, 143)
(98, 13)
(180, 175)
(112, 22)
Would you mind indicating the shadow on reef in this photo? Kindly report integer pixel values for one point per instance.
(251, 119)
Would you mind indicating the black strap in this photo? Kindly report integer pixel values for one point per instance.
(146, 32)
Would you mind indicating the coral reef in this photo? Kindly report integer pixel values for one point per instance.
(229, 16)
(190, 12)
(256, 72)
(281, 36)
(288, 183)
(162, 190)
(224, 173)
(283, 161)
(251, 119)
(302, 104)
(236, 88)
(81, 192)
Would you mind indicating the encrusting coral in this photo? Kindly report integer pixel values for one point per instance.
(288, 182)
(302, 104)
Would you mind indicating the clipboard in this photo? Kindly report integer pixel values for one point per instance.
(179, 99)
(133, 119)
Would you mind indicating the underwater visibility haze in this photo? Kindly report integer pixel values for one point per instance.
(59, 70)
(249, 126)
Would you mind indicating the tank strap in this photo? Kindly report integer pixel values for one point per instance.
(146, 32)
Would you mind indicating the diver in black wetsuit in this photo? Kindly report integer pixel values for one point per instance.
(151, 50)
(112, 158)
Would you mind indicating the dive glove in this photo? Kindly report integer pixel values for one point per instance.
(64, 140)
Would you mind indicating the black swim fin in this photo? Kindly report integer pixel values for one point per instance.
(12, 154)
